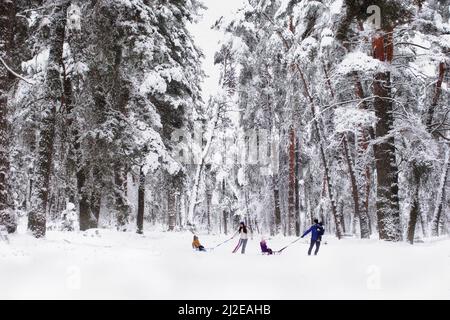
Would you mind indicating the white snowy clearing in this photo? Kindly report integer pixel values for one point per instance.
(162, 265)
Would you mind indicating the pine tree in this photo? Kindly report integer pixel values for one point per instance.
(53, 100)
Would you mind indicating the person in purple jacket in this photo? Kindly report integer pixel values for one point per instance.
(264, 247)
(317, 231)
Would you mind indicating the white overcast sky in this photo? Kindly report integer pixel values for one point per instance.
(208, 39)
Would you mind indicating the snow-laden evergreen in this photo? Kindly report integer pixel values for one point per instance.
(330, 109)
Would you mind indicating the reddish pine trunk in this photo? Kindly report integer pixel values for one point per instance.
(291, 195)
(388, 210)
(437, 94)
(297, 188)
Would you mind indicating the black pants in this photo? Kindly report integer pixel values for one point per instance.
(311, 246)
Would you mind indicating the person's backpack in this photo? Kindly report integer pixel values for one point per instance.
(320, 231)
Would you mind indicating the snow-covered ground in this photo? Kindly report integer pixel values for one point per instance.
(162, 265)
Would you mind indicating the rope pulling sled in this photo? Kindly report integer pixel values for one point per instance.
(273, 252)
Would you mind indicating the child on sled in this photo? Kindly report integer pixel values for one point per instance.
(264, 248)
(196, 244)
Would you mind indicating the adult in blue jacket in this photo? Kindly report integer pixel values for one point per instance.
(317, 231)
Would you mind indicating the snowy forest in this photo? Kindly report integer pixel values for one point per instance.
(329, 109)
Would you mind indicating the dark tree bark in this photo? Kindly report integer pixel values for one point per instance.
(121, 96)
(364, 227)
(7, 22)
(86, 218)
(297, 189)
(121, 201)
(388, 211)
(171, 204)
(437, 219)
(277, 210)
(209, 188)
(436, 96)
(72, 88)
(225, 225)
(291, 193)
(96, 196)
(415, 204)
(418, 171)
(364, 170)
(141, 203)
(208, 210)
(54, 99)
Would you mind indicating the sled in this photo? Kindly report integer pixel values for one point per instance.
(272, 254)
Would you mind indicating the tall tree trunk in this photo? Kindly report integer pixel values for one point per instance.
(275, 154)
(201, 165)
(337, 217)
(54, 99)
(367, 185)
(307, 94)
(225, 226)
(85, 215)
(415, 212)
(435, 227)
(208, 210)
(388, 210)
(297, 188)
(120, 96)
(415, 205)
(291, 193)
(7, 22)
(171, 204)
(341, 212)
(363, 223)
(277, 210)
(181, 209)
(121, 202)
(72, 90)
(96, 196)
(436, 96)
(363, 170)
(141, 202)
